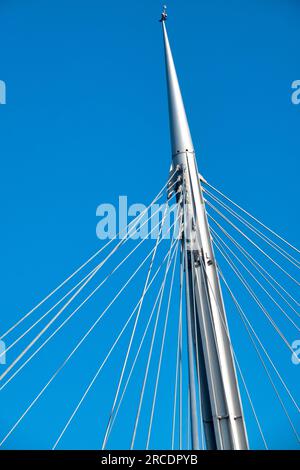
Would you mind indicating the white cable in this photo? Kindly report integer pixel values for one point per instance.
(188, 420)
(254, 244)
(178, 361)
(132, 336)
(176, 386)
(57, 315)
(67, 360)
(139, 350)
(250, 330)
(254, 296)
(251, 402)
(46, 314)
(56, 373)
(197, 360)
(181, 356)
(261, 344)
(260, 268)
(133, 223)
(257, 232)
(224, 244)
(254, 218)
(79, 404)
(148, 363)
(160, 359)
(72, 314)
(236, 359)
(99, 286)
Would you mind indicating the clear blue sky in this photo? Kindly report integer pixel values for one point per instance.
(86, 121)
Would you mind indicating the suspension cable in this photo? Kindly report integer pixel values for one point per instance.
(257, 232)
(69, 357)
(178, 362)
(150, 353)
(254, 244)
(97, 288)
(159, 362)
(236, 359)
(251, 332)
(127, 230)
(181, 353)
(252, 217)
(139, 350)
(197, 358)
(176, 385)
(79, 404)
(225, 246)
(74, 312)
(263, 272)
(254, 296)
(132, 335)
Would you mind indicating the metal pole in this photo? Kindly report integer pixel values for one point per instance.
(190, 346)
(220, 398)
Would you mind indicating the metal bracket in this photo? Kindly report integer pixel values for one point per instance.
(202, 179)
(164, 15)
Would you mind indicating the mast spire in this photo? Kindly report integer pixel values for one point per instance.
(210, 356)
(181, 139)
(164, 15)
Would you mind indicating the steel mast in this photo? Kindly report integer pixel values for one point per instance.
(211, 364)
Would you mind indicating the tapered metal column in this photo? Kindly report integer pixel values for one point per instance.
(220, 399)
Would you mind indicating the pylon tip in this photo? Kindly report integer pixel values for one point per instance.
(164, 14)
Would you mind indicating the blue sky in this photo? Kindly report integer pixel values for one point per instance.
(86, 121)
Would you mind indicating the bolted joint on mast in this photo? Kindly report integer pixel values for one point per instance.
(164, 15)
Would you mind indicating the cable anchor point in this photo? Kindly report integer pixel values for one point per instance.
(164, 14)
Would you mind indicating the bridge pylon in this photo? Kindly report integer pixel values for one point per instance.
(210, 356)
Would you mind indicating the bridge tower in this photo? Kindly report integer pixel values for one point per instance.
(210, 355)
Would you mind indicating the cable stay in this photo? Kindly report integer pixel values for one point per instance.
(253, 243)
(263, 272)
(178, 376)
(202, 385)
(251, 333)
(76, 310)
(150, 358)
(188, 427)
(181, 352)
(252, 217)
(132, 337)
(78, 346)
(195, 334)
(80, 283)
(257, 232)
(83, 398)
(251, 402)
(160, 360)
(225, 246)
(91, 273)
(237, 363)
(139, 349)
(124, 233)
(79, 404)
(253, 295)
(170, 259)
